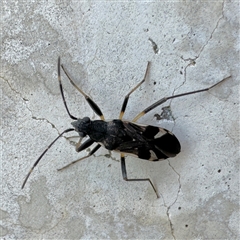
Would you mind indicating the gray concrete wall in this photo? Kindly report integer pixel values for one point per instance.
(105, 46)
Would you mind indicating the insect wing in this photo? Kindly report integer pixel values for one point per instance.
(149, 142)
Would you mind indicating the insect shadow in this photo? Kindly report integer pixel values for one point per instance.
(126, 137)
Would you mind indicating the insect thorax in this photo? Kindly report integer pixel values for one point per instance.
(110, 134)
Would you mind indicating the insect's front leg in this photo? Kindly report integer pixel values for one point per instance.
(91, 103)
(80, 148)
(124, 174)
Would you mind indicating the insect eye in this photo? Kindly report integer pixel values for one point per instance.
(81, 134)
(86, 120)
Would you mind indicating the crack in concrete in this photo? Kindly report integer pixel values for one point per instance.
(192, 61)
(44, 119)
(14, 90)
(170, 223)
(168, 215)
(169, 207)
(24, 101)
(211, 36)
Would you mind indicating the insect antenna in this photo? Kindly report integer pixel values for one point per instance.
(61, 90)
(35, 164)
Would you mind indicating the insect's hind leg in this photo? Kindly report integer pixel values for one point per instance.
(92, 104)
(124, 174)
(163, 100)
(124, 105)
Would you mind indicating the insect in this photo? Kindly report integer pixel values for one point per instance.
(126, 137)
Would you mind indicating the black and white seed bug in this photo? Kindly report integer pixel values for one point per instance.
(126, 137)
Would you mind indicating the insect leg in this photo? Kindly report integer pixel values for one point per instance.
(35, 164)
(62, 93)
(124, 174)
(124, 105)
(161, 101)
(89, 154)
(92, 104)
(84, 145)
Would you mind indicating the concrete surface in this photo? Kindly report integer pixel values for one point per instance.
(105, 46)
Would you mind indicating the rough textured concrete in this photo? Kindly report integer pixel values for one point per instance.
(105, 46)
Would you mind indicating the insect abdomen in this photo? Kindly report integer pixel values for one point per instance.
(168, 144)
